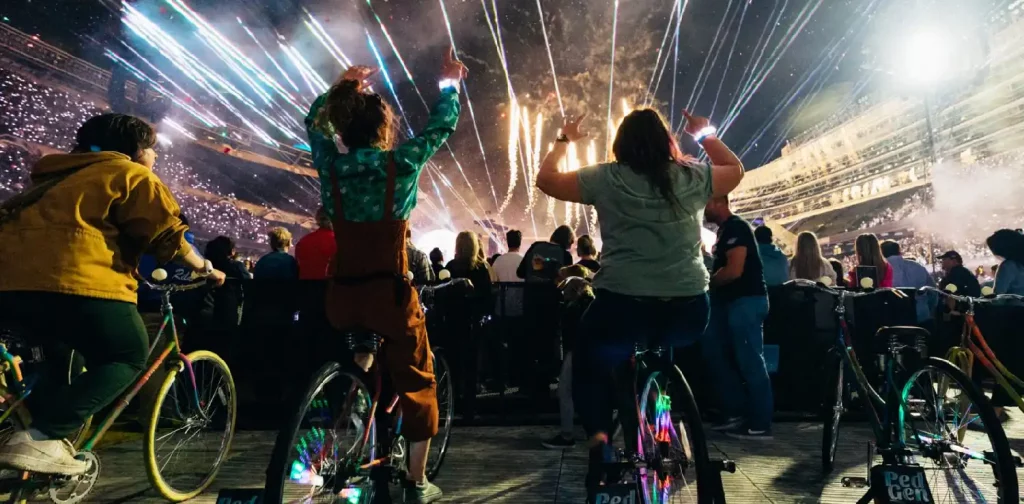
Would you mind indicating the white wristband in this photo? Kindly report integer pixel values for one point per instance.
(705, 132)
(448, 83)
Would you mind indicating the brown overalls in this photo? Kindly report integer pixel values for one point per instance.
(370, 291)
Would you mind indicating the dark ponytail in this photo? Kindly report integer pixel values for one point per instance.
(361, 119)
(644, 143)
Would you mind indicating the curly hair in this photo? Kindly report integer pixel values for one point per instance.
(361, 119)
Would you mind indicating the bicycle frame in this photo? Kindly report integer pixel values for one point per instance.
(963, 356)
(893, 407)
(13, 363)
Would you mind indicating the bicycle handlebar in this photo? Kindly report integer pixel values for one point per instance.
(160, 275)
(971, 299)
(841, 293)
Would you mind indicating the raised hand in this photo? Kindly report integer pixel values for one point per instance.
(694, 124)
(452, 68)
(359, 73)
(573, 128)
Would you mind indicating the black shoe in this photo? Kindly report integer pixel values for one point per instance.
(559, 442)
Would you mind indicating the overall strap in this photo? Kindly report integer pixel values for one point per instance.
(389, 192)
(339, 212)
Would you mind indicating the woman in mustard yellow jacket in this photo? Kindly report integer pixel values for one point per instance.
(69, 245)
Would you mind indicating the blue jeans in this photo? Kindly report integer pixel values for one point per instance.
(610, 329)
(733, 351)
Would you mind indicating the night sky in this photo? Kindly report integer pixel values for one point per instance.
(834, 45)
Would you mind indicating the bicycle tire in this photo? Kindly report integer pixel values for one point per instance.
(1004, 461)
(682, 401)
(832, 410)
(446, 413)
(168, 490)
(280, 466)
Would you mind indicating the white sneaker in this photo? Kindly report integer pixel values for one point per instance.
(48, 456)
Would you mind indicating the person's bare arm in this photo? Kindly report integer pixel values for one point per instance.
(564, 186)
(726, 168)
(735, 259)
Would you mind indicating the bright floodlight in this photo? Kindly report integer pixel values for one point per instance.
(926, 58)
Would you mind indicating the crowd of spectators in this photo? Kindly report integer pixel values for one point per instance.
(33, 113)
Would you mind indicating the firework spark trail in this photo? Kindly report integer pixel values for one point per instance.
(551, 59)
(611, 76)
(830, 58)
(308, 70)
(760, 73)
(782, 136)
(192, 67)
(472, 113)
(231, 52)
(394, 49)
(747, 77)
(704, 67)
(269, 56)
(224, 57)
(160, 89)
(473, 215)
(208, 118)
(794, 30)
(537, 139)
(763, 77)
(526, 169)
(499, 45)
(675, 67)
(416, 88)
(302, 72)
(718, 52)
(728, 59)
(387, 81)
(179, 128)
(572, 163)
(513, 153)
(649, 95)
(325, 37)
(437, 192)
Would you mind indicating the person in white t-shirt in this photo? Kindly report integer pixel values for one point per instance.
(506, 264)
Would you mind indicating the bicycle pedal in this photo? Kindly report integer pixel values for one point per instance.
(728, 466)
(854, 482)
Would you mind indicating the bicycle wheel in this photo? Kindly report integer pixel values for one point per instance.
(671, 440)
(961, 444)
(320, 454)
(446, 411)
(832, 410)
(186, 443)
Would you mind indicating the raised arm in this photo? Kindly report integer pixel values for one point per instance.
(563, 186)
(443, 117)
(726, 167)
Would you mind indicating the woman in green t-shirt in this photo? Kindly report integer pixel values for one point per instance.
(653, 283)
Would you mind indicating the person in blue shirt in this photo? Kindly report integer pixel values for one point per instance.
(774, 261)
(908, 273)
(1008, 245)
(278, 264)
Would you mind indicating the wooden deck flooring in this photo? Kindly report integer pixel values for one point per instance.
(508, 464)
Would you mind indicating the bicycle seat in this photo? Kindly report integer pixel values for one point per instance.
(363, 340)
(914, 337)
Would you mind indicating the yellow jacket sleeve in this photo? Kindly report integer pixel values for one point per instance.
(150, 215)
